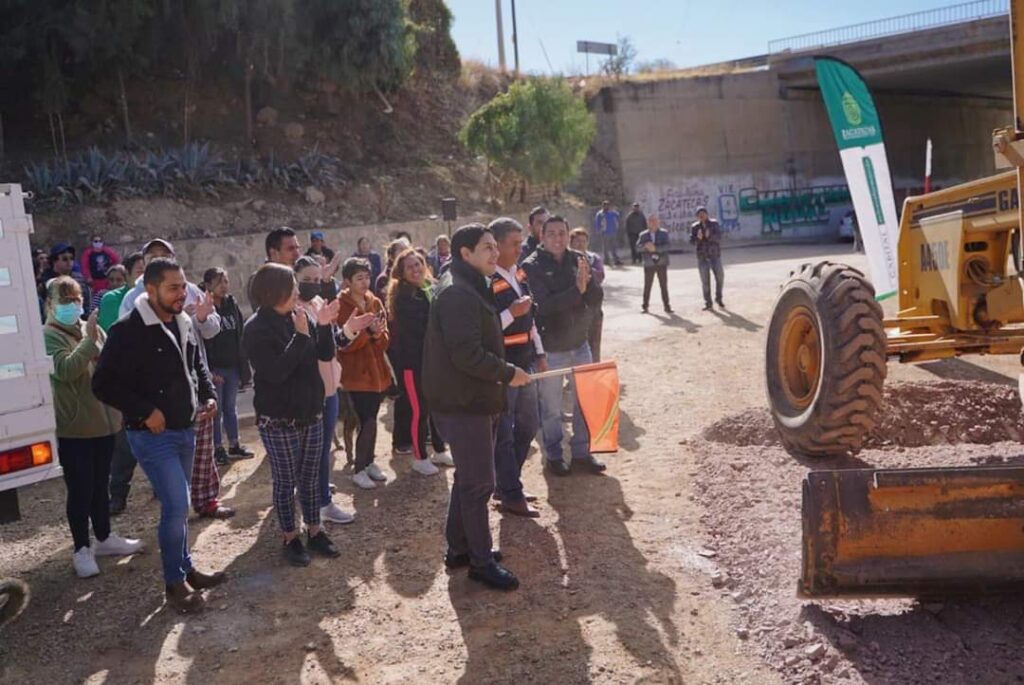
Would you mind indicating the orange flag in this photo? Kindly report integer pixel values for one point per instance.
(597, 390)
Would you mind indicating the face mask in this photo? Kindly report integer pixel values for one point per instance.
(97, 244)
(307, 291)
(67, 314)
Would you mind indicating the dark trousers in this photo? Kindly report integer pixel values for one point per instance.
(401, 436)
(634, 253)
(594, 335)
(122, 467)
(517, 427)
(419, 425)
(662, 273)
(471, 439)
(367, 404)
(706, 266)
(86, 464)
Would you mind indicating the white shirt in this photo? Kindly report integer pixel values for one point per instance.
(506, 316)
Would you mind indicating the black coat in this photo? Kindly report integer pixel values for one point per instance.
(408, 327)
(464, 367)
(224, 350)
(286, 375)
(563, 313)
(141, 368)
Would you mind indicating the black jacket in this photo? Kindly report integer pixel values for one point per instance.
(464, 368)
(563, 313)
(286, 375)
(142, 368)
(224, 350)
(636, 222)
(409, 327)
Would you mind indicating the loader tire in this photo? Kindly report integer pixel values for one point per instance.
(13, 599)
(825, 362)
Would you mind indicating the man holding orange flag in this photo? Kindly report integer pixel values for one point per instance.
(567, 297)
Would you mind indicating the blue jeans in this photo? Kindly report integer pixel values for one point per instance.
(517, 426)
(550, 391)
(227, 397)
(166, 459)
(326, 462)
(706, 268)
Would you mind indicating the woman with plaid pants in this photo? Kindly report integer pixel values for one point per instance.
(284, 343)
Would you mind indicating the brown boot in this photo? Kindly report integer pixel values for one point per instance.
(204, 581)
(520, 508)
(182, 599)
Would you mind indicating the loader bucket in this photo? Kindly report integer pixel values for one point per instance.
(918, 532)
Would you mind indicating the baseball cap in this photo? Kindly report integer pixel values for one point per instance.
(61, 248)
(158, 241)
(316, 235)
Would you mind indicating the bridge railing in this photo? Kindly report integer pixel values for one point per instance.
(906, 23)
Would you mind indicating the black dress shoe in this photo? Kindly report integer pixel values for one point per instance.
(721, 304)
(708, 307)
(668, 309)
(494, 575)
(220, 455)
(462, 560)
(559, 468)
(591, 462)
(322, 545)
(295, 554)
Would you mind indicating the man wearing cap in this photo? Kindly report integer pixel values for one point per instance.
(706, 235)
(317, 248)
(636, 223)
(62, 263)
(206, 321)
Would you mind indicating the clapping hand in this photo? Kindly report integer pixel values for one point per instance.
(203, 308)
(326, 313)
(582, 274)
(90, 327)
(357, 322)
(301, 322)
(331, 268)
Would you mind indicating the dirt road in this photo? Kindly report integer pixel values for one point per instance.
(617, 574)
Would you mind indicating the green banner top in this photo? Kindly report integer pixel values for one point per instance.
(848, 101)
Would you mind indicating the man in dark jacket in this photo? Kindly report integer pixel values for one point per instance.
(636, 223)
(464, 377)
(706, 234)
(567, 297)
(538, 215)
(152, 372)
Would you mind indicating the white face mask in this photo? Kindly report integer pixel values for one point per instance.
(97, 244)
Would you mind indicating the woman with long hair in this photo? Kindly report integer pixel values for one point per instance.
(85, 426)
(409, 312)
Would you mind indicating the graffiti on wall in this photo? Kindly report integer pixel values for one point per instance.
(744, 207)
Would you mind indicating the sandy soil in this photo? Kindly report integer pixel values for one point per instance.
(617, 574)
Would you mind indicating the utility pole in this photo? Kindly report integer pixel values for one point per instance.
(515, 37)
(501, 36)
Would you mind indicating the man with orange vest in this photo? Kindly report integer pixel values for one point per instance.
(523, 348)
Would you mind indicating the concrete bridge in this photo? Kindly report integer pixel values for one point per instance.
(750, 138)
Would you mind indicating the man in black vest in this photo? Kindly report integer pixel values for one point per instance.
(521, 419)
(464, 379)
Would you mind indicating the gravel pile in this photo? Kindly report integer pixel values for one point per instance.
(752, 502)
(914, 415)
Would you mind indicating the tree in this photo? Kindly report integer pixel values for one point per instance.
(655, 65)
(620, 64)
(539, 131)
(360, 45)
(436, 54)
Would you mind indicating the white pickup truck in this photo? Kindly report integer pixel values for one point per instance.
(28, 450)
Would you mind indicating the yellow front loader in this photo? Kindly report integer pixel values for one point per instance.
(871, 532)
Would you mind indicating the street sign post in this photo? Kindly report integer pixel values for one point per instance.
(590, 47)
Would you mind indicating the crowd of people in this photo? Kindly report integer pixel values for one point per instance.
(148, 366)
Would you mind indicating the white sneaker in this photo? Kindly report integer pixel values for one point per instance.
(363, 480)
(84, 562)
(374, 472)
(335, 514)
(117, 546)
(424, 467)
(443, 458)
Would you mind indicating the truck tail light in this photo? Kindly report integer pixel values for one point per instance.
(26, 457)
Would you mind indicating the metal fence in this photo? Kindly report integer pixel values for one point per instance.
(943, 16)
